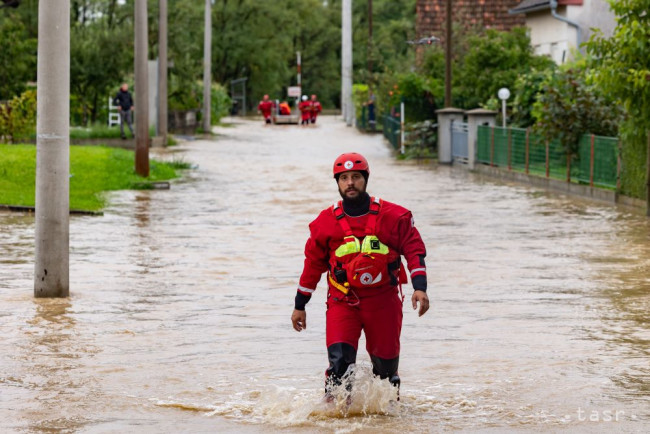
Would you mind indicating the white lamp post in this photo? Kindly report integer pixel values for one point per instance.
(503, 94)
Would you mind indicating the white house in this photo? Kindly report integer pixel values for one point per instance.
(558, 27)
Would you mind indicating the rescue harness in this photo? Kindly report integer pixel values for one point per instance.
(365, 264)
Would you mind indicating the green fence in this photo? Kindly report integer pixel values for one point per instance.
(362, 120)
(392, 129)
(517, 149)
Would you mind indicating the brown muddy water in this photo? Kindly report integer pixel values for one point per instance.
(179, 314)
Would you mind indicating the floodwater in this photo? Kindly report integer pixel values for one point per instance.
(179, 314)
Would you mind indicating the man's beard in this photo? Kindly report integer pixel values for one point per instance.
(353, 200)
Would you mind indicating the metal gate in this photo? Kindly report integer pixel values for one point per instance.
(459, 148)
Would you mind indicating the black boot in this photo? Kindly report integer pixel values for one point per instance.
(341, 356)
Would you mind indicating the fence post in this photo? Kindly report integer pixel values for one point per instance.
(527, 148)
(509, 149)
(591, 163)
(547, 160)
(401, 126)
(618, 168)
(492, 148)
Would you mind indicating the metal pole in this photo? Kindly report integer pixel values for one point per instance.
(591, 162)
(527, 150)
(509, 150)
(448, 36)
(162, 71)
(207, 61)
(618, 169)
(492, 148)
(503, 113)
(369, 41)
(346, 62)
(141, 90)
(298, 66)
(52, 234)
(647, 183)
(401, 125)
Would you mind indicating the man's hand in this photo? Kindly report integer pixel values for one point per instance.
(299, 319)
(419, 297)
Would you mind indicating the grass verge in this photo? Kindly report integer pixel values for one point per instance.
(101, 131)
(93, 170)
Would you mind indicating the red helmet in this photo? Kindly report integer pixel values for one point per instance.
(351, 161)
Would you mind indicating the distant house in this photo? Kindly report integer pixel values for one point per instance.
(485, 14)
(558, 27)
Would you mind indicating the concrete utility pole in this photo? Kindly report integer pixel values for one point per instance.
(141, 90)
(162, 71)
(207, 64)
(52, 237)
(347, 105)
(370, 41)
(448, 36)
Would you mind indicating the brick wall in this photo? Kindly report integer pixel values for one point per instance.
(469, 13)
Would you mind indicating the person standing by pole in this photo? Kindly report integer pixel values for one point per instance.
(124, 102)
(359, 242)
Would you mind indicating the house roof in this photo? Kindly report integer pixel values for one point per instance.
(530, 6)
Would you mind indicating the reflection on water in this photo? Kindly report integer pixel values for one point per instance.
(178, 319)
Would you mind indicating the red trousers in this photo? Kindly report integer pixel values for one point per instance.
(379, 316)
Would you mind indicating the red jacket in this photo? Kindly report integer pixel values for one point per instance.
(315, 108)
(305, 109)
(394, 228)
(265, 107)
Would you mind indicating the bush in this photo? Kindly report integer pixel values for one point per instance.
(220, 103)
(417, 92)
(360, 96)
(569, 107)
(18, 118)
(421, 140)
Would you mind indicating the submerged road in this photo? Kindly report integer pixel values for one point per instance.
(179, 314)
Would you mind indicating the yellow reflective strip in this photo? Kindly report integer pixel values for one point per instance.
(337, 285)
(348, 248)
(367, 245)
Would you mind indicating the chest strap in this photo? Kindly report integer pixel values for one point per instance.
(371, 223)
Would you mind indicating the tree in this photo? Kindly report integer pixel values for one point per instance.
(393, 26)
(568, 107)
(100, 60)
(493, 60)
(17, 58)
(622, 69)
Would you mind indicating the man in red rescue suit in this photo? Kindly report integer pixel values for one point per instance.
(266, 107)
(359, 243)
(305, 110)
(316, 108)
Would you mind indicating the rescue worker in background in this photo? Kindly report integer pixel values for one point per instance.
(266, 107)
(359, 242)
(305, 110)
(284, 108)
(316, 108)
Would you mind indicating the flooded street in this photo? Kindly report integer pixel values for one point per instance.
(179, 314)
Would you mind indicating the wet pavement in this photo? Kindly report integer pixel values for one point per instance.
(179, 314)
